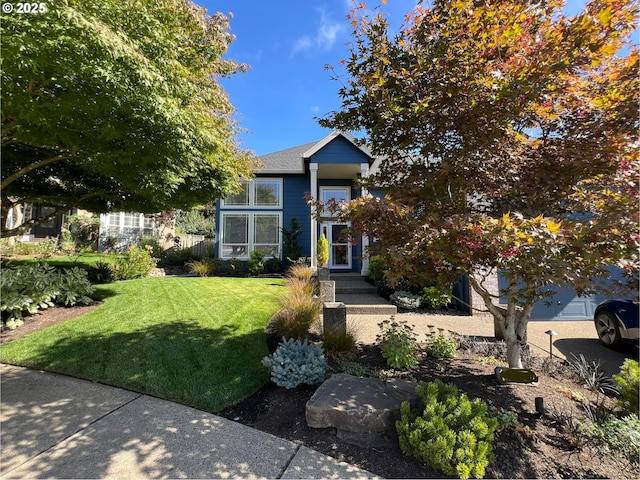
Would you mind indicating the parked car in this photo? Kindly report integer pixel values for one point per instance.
(616, 321)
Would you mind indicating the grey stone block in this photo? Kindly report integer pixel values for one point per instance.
(327, 291)
(363, 410)
(334, 316)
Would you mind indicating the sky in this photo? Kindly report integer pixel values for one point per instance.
(287, 44)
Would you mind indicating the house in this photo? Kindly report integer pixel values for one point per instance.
(253, 219)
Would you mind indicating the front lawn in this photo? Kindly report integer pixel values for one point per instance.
(197, 341)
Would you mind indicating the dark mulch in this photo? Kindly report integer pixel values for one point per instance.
(540, 447)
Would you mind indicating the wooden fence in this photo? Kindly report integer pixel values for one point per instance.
(199, 244)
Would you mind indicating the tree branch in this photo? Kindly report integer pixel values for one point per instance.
(31, 167)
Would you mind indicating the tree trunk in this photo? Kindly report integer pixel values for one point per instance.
(510, 322)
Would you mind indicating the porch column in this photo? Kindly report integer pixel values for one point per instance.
(313, 188)
(364, 173)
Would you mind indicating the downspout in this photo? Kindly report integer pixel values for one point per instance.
(313, 188)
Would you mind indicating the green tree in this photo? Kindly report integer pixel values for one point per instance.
(115, 105)
(509, 137)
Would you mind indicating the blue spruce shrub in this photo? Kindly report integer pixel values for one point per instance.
(296, 362)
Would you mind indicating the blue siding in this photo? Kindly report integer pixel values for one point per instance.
(340, 150)
(295, 187)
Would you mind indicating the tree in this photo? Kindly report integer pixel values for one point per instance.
(509, 137)
(115, 105)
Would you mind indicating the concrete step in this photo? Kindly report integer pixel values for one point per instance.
(366, 304)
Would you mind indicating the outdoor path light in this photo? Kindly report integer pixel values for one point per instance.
(551, 334)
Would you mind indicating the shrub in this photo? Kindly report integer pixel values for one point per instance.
(83, 230)
(74, 287)
(621, 435)
(449, 431)
(29, 288)
(176, 257)
(337, 341)
(323, 251)
(441, 345)
(295, 362)
(101, 272)
(436, 297)
(376, 275)
(291, 248)
(273, 265)
(234, 266)
(628, 381)
(136, 262)
(255, 265)
(398, 343)
(406, 300)
(196, 222)
(152, 244)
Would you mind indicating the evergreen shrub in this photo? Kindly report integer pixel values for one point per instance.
(449, 431)
(294, 363)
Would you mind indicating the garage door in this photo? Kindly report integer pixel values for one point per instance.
(565, 304)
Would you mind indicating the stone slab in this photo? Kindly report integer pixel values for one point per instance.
(363, 410)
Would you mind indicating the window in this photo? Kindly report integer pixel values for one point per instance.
(244, 232)
(259, 192)
(337, 194)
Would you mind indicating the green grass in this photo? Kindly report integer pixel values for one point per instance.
(65, 261)
(196, 341)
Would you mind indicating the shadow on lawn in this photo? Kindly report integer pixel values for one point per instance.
(206, 368)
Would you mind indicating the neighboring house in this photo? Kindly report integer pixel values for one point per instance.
(22, 213)
(118, 230)
(253, 219)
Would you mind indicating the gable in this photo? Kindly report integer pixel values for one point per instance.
(338, 150)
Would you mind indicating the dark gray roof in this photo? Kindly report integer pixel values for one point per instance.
(285, 161)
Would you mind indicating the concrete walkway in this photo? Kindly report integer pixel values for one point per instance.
(54, 426)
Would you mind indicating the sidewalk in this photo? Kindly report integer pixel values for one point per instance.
(56, 426)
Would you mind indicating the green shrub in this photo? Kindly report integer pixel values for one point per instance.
(441, 345)
(234, 266)
(29, 288)
(628, 381)
(295, 362)
(405, 300)
(273, 265)
(291, 248)
(74, 287)
(398, 343)
(255, 265)
(323, 251)
(136, 262)
(176, 257)
(621, 436)
(83, 230)
(448, 432)
(152, 244)
(101, 272)
(436, 297)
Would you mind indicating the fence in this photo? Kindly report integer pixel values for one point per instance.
(199, 244)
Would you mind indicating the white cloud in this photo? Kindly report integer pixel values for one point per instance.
(325, 35)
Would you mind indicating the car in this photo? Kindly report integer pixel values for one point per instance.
(616, 322)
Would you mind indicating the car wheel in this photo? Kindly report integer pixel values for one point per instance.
(607, 329)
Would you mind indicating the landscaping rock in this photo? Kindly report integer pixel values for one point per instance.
(362, 410)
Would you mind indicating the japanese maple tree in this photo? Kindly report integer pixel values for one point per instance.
(509, 137)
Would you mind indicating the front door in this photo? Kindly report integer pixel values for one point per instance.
(339, 245)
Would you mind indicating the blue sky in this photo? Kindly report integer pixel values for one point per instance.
(287, 43)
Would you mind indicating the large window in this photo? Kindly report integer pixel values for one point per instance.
(336, 194)
(259, 192)
(244, 232)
